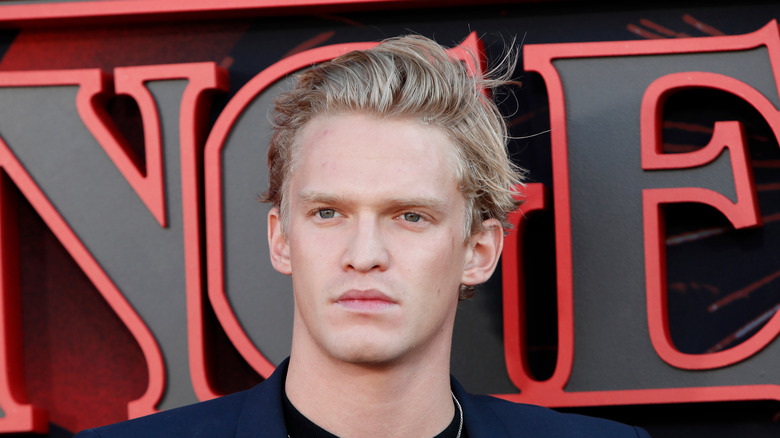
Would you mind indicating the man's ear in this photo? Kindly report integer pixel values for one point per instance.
(484, 250)
(277, 243)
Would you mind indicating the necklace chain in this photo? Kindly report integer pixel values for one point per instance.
(460, 414)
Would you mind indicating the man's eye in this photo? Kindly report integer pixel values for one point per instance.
(326, 213)
(412, 217)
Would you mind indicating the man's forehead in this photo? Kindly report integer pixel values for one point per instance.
(399, 161)
(321, 126)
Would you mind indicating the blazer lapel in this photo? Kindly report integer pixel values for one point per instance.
(479, 420)
(262, 414)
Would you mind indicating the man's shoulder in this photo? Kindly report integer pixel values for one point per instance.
(212, 418)
(239, 414)
(544, 422)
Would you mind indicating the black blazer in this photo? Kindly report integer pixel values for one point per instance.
(257, 412)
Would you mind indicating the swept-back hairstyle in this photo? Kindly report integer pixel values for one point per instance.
(407, 78)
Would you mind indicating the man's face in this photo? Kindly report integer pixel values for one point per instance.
(375, 242)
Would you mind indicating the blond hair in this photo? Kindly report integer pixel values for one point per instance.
(412, 78)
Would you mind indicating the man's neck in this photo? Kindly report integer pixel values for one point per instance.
(407, 399)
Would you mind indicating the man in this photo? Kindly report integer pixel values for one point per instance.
(390, 186)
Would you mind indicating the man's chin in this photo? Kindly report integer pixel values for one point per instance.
(370, 357)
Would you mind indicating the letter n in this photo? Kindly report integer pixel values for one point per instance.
(135, 233)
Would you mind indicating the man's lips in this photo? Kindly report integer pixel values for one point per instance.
(365, 300)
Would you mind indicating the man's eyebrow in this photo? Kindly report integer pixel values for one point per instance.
(314, 197)
(434, 204)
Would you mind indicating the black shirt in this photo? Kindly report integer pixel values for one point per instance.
(298, 426)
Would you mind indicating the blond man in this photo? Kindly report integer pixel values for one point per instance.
(390, 185)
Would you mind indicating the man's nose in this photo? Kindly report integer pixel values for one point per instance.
(366, 249)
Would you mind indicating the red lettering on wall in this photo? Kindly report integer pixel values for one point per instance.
(513, 276)
(93, 91)
(744, 212)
